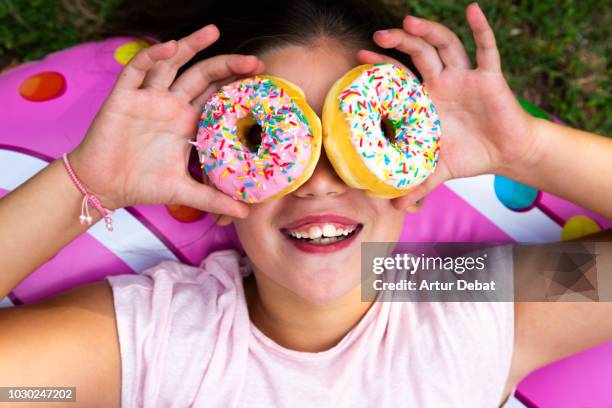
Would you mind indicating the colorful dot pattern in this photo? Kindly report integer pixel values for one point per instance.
(126, 52)
(43, 86)
(578, 226)
(514, 195)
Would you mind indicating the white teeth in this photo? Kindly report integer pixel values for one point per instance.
(314, 232)
(323, 234)
(329, 230)
(324, 240)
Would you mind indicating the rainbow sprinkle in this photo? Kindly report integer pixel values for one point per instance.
(388, 92)
(286, 140)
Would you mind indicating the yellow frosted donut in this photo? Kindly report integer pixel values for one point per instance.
(381, 130)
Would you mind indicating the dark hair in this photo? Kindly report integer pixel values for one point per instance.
(255, 26)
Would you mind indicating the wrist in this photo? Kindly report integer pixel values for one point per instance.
(79, 167)
(90, 199)
(523, 168)
(70, 197)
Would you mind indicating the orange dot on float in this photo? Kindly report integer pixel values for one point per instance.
(43, 86)
(126, 52)
(579, 226)
(183, 213)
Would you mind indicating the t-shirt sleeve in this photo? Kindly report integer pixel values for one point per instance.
(142, 304)
(168, 317)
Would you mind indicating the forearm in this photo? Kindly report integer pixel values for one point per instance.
(38, 219)
(572, 164)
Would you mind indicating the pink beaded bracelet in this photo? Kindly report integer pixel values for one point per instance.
(88, 198)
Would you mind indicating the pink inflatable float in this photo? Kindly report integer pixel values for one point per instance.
(49, 104)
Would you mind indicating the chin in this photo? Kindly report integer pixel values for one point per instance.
(326, 285)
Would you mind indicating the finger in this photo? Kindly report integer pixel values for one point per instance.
(201, 99)
(162, 75)
(258, 70)
(134, 72)
(206, 198)
(487, 55)
(371, 57)
(221, 219)
(423, 55)
(198, 77)
(408, 200)
(451, 50)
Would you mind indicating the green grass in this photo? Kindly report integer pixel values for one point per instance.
(554, 53)
(29, 29)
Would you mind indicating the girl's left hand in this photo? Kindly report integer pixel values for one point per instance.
(484, 129)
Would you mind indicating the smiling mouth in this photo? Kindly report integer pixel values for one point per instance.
(322, 235)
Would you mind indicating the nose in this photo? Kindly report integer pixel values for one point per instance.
(324, 181)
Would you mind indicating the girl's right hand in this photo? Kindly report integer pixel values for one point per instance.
(136, 150)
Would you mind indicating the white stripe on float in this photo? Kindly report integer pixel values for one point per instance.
(130, 241)
(529, 226)
(6, 302)
(513, 402)
(17, 168)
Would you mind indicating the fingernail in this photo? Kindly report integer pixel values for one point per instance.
(412, 19)
(208, 29)
(475, 4)
(381, 32)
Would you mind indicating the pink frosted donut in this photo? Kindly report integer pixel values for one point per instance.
(258, 139)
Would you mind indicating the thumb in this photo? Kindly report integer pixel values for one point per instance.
(209, 199)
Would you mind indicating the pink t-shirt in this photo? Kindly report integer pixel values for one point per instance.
(186, 340)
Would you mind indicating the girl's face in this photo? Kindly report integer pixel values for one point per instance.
(319, 273)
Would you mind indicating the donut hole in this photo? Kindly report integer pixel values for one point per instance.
(249, 133)
(388, 129)
(253, 138)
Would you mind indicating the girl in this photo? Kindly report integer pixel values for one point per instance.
(285, 326)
